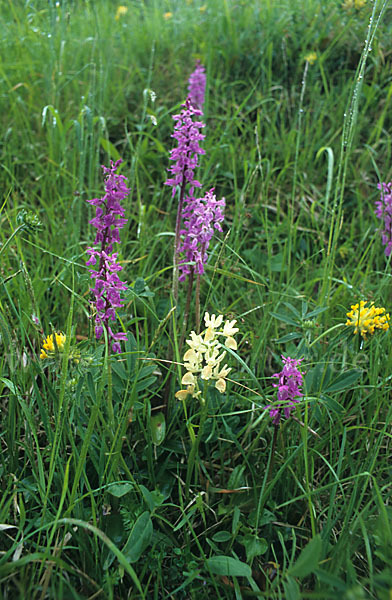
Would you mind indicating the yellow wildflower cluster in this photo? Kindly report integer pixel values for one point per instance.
(358, 4)
(367, 319)
(120, 12)
(311, 57)
(204, 356)
(52, 343)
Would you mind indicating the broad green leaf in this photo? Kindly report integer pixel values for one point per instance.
(120, 489)
(308, 560)
(229, 566)
(317, 378)
(10, 385)
(119, 370)
(333, 405)
(291, 589)
(344, 381)
(331, 580)
(254, 545)
(109, 148)
(158, 428)
(144, 384)
(294, 335)
(277, 263)
(292, 309)
(316, 311)
(148, 498)
(236, 519)
(284, 318)
(139, 538)
(222, 536)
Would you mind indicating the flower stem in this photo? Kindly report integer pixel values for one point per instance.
(275, 437)
(187, 307)
(196, 443)
(177, 240)
(197, 304)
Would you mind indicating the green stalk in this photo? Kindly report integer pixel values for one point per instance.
(297, 145)
(196, 442)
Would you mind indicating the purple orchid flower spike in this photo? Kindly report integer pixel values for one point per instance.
(197, 86)
(289, 389)
(108, 221)
(384, 213)
(201, 217)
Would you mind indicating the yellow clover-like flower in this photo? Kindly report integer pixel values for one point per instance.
(121, 11)
(311, 57)
(358, 4)
(366, 320)
(51, 343)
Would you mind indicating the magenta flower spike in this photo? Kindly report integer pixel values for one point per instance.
(384, 213)
(108, 221)
(186, 154)
(188, 136)
(200, 217)
(197, 86)
(289, 389)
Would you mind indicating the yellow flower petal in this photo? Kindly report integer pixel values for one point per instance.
(121, 10)
(366, 319)
(231, 343)
(221, 385)
(188, 379)
(311, 57)
(209, 334)
(206, 372)
(190, 355)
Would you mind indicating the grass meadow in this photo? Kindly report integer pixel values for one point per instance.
(113, 487)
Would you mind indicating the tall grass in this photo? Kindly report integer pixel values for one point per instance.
(95, 504)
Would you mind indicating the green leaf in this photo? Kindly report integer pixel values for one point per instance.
(317, 378)
(148, 498)
(254, 545)
(309, 558)
(344, 381)
(284, 318)
(226, 565)
(315, 312)
(222, 536)
(292, 309)
(333, 405)
(236, 519)
(120, 489)
(109, 148)
(139, 538)
(158, 428)
(120, 371)
(144, 384)
(277, 263)
(294, 335)
(291, 589)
